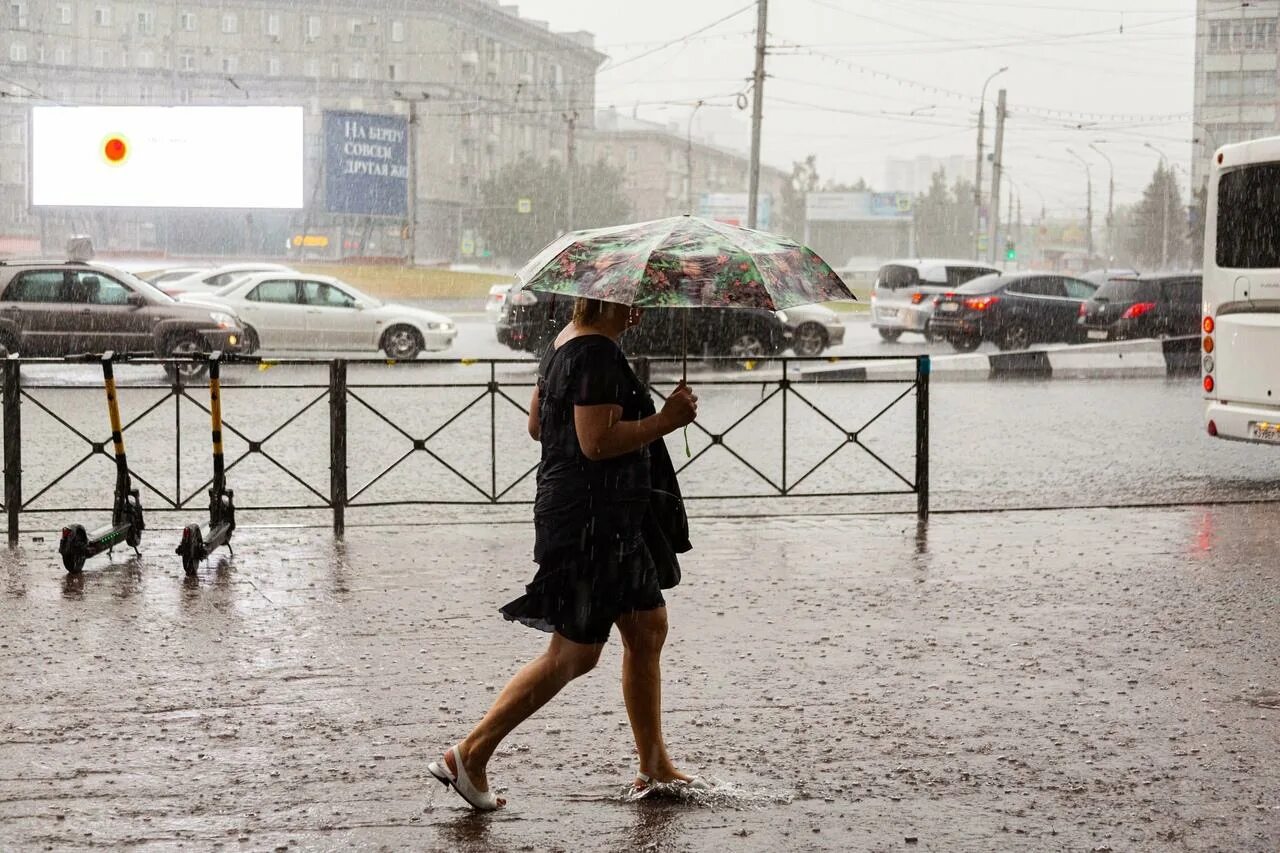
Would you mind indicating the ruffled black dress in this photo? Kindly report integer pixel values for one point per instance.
(593, 560)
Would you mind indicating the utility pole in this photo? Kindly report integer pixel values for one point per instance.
(977, 179)
(1111, 200)
(572, 119)
(411, 250)
(997, 165)
(757, 112)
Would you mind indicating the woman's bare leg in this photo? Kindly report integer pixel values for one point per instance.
(643, 634)
(527, 691)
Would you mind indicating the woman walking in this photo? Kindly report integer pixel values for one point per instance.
(604, 547)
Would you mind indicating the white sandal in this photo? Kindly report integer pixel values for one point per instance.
(481, 801)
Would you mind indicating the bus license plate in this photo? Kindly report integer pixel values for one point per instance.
(1097, 334)
(949, 307)
(1265, 431)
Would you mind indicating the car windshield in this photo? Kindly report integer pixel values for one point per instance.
(983, 284)
(146, 288)
(225, 290)
(1128, 290)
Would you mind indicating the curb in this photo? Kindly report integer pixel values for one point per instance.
(1145, 358)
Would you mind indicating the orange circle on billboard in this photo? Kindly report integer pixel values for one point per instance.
(115, 150)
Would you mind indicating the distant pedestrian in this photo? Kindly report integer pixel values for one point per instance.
(608, 523)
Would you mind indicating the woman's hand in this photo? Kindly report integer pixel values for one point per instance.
(681, 407)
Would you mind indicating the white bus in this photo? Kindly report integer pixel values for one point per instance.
(1240, 358)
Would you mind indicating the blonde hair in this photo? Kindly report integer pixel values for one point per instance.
(587, 312)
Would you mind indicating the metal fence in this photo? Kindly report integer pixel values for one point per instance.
(783, 383)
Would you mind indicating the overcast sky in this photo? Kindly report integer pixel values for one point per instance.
(858, 81)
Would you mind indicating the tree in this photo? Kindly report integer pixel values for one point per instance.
(598, 201)
(944, 218)
(1196, 224)
(1159, 216)
(804, 180)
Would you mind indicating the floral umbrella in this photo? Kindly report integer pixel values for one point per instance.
(684, 262)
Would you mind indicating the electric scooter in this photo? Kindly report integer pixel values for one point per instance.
(197, 544)
(127, 524)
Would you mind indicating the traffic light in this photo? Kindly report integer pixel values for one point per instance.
(1010, 250)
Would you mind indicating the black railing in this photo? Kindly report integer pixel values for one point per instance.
(782, 383)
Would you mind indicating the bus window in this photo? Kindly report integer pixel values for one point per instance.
(1249, 218)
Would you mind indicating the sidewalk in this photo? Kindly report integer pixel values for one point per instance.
(1086, 680)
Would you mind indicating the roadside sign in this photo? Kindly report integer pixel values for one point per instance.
(468, 246)
(524, 205)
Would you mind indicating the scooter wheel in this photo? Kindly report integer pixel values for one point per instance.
(192, 545)
(73, 561)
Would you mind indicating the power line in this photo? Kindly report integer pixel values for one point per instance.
(678, 40)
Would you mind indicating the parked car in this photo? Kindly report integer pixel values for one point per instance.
(496, 301)
(1014, 311)
(903, 298)
(291, 311)
(1149, 306)
(206, 281)
(812, 328)
(56, 308)
(533, 319)
(1101, 276)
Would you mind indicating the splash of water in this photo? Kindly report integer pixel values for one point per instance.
(707, 792)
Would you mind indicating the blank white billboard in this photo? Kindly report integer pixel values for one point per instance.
(223, 157)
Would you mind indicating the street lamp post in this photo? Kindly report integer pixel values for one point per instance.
(1164, 189)
(1111, 200)
(1088, 178)
(688, 162)
(977, 180)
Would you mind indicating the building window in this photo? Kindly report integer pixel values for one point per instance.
(397, 31)
(100, 57)
(17, 52)
(184, 96)
(18, 14)
(1237, 35)
(354, 26)
(144, 94)
(1222, 84)
(273, 66)
(146, 59)
(393, 71)
(633, 154)
(64, 15)
(313, 27)
(146, 23)
(357, 70)
(229, 64)
(312, 68)
(189, 22)
(272, 24)
(1259, 83)
(230, 23)
(186, 61)
(62, 56)
(102, 16)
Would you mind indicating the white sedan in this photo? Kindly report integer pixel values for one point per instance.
(292, 311)
(208, 280)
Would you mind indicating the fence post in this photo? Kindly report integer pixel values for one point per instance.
(338, 445)
(922, 437)
(12, 445)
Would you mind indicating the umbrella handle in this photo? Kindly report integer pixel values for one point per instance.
(687, 452)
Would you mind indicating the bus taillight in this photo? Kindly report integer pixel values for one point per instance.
(1208, 325)
(1208, 384)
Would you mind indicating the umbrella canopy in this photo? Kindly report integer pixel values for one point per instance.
(684, 262)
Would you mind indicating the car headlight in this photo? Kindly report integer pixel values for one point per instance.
(782, 315)
(224, 320)
(440, 327)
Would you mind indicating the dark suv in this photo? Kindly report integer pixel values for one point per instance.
(1013, 310)
(52, 308)
(1149, 306)
(531, 320)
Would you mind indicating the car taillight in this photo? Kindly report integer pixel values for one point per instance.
(524, 298)
(937, 300)
(1137, 309)
(1084, 309)
(981, 303)
(917, 298)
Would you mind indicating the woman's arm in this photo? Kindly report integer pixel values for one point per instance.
(603, 435)
(535, 425)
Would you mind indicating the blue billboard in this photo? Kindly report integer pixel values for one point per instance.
(366, 164)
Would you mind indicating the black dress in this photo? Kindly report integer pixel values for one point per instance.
(593, 562)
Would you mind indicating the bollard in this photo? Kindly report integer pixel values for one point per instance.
(338, 445)
(12, 445)
(922, 437)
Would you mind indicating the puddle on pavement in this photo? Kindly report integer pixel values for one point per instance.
(706, 792)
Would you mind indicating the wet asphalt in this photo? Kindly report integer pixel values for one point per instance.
(1087, 680)
(1084, 678)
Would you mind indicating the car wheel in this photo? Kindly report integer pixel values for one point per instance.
(402, 343)
(966, 343)
(931, 336)
(890, 335)
(810, 340)
(1016, 336)
(183, 346)
(748, 348)
(252, 343)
